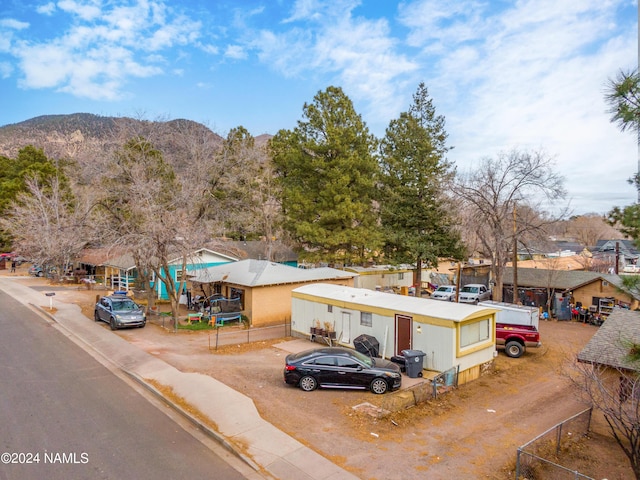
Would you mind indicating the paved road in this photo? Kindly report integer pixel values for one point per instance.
(62, 408)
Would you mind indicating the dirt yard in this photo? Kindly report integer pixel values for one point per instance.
(469, 433)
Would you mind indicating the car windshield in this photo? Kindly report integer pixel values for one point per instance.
(470, 289)
(363, 358)
(444, 289)
(124, 305)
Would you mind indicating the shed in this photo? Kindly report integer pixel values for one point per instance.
(383, 277)
(588, 288)
(450, 334)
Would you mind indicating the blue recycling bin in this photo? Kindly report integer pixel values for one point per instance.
(414, 360)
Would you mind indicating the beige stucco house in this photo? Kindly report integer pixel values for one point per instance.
(264, 287)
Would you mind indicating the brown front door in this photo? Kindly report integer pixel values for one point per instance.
(403, 333)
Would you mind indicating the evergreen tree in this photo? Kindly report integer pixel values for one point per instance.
(31, 163)
(415, 211)
(328, 172)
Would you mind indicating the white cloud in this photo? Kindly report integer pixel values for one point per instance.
(46, 9)
(88, 10)
(103, 47)
(6, 69)
(236, 52)
(532, 78)
(358, 54)
(13, 24)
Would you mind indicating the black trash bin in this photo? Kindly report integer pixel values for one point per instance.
(367, 344)
(414, 360)
(400, 360)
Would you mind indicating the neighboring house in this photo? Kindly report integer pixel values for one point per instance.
(103, 265)
(264, 287)
(566, 286)
(198, 260)
(611, 344)
(450, 334)
(118, 271)
(383, 277)
(624, 250)
(259, 250)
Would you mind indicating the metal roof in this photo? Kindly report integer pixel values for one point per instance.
(451, 311)
(255, 273)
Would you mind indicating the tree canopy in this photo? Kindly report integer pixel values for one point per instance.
(500, 200)
(327, 171)
(31, 165)
(416, 213)
(623, 98)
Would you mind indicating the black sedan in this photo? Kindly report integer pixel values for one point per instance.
(337, 367)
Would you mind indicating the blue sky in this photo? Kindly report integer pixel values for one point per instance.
(523, 74)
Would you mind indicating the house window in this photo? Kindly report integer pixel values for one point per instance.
(476, 332)
(401, 276)
(366, 319)
(329, 308)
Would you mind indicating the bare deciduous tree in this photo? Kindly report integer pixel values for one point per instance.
(48, 224)
(616, 393)
(502, 198)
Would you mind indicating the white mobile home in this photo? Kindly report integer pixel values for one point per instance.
(450, 334)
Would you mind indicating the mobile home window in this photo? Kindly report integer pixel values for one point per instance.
(329, 308)
(475, 332)
(366, 319)
(401, 276)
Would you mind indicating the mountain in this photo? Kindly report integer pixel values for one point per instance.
(82, 135)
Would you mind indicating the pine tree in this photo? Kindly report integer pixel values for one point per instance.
(416, 213)
(328, 172)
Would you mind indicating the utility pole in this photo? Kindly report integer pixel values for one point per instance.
(516, 299)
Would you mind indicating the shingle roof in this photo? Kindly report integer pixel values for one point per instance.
(627, 246)
(610, 345)
(558, 279)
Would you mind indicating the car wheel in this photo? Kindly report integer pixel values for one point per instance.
(112, 323)
(308, 383)
(514, 349)
(142, 326)
(96, 317)
(379, 386)
(40, 274)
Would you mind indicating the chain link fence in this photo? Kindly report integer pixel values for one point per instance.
(237, 334)
(445, 381)
(541, 457)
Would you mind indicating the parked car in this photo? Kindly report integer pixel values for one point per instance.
(474, 293)
(445, 292)
(19, 259)
(119, 311)
(41, 271)
(338, 367)
(36, 271)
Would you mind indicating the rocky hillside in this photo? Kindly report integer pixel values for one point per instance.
(82, 135)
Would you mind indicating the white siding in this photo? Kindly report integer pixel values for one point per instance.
(436, 336)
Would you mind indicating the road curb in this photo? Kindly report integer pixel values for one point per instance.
(195, 421)
(216, 436)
